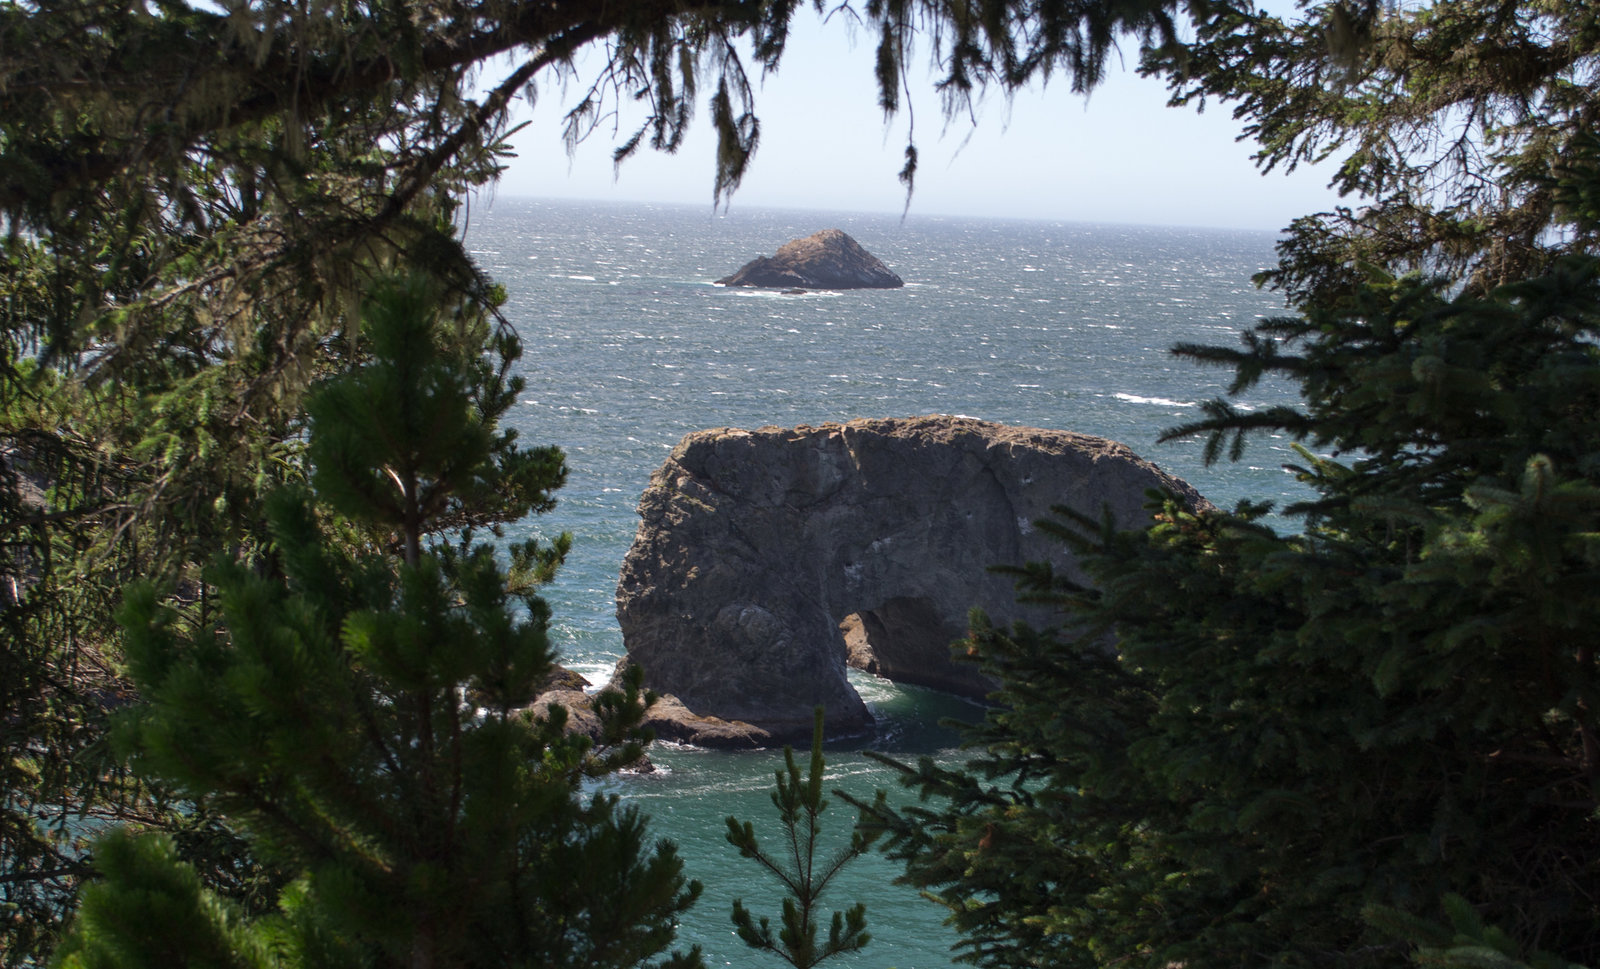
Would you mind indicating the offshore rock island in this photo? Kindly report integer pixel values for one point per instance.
(760, 553)
(830, 259)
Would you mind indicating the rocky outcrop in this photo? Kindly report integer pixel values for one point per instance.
(568, 688)
(827, 260)
(667, 718)
(754, 547)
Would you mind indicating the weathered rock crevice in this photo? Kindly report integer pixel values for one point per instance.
(756, 547)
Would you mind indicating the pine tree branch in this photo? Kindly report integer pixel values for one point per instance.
(283, 82)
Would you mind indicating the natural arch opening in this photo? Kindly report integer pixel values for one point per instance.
(906, 640)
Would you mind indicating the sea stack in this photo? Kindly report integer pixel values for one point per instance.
(767, 562)
(830, 259)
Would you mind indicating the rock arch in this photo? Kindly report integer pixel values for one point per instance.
(754, 546)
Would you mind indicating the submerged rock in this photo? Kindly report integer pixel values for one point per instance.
(827, 260)
(755, 547)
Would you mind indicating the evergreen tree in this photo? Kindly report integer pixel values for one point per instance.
(357, 705)
(798, 868)
(1240, 742)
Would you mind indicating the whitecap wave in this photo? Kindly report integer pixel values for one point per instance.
(1157, 401)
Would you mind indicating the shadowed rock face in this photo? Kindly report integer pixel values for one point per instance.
(827, 260)
(755, 546)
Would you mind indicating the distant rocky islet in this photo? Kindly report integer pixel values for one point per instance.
(829, 259)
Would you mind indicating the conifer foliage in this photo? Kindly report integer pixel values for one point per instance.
(1241, 743)
(356, 707)
(801, 869)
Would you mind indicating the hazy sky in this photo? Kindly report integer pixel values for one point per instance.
(1120, 156)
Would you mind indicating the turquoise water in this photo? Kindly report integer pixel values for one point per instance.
(628, 347)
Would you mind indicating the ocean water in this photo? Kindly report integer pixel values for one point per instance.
(628, 346)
